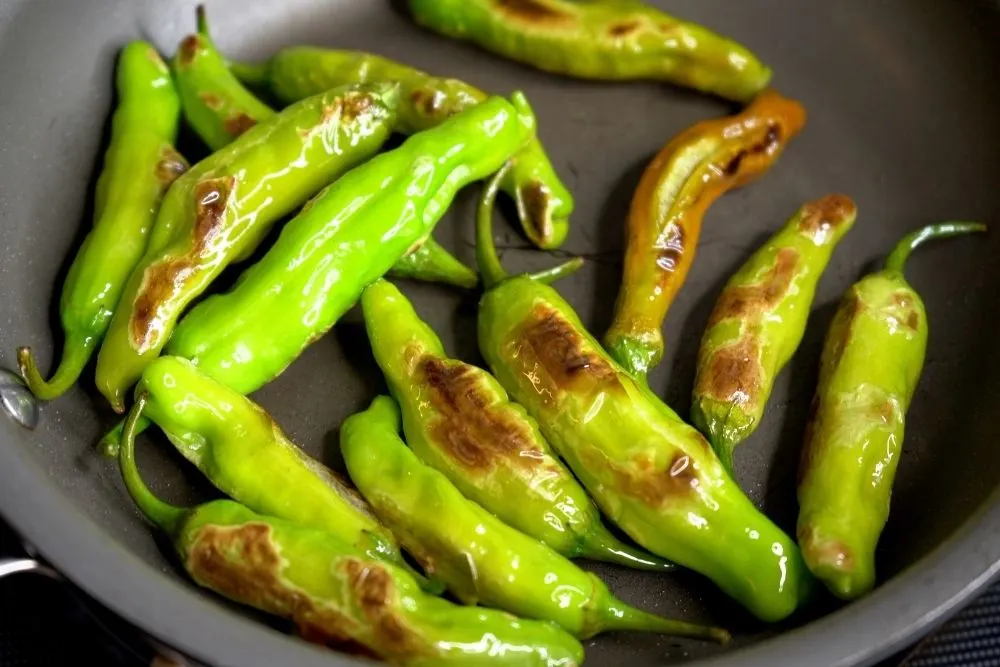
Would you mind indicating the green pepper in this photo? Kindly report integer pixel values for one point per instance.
(220, 109)
(460, 421)
(652, 474)
(481, 559)
(333, 591)
(139, 165)
(544, 205)
(610, 41)
(221, 209)
(870, 366)
(759, 320)
(664, 222)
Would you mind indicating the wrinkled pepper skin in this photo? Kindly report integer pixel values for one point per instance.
(220, 210)
(652, 474)
(544, 204)
(618, 40)
(348, 236)
(336, 593)
(139, 165)
(481, 559)
(459, 420)
(759, 320)
(664, 221)
(871, 363)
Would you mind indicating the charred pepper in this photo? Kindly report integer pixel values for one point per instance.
(139, 165)
(480, 558)
(460, 421)
(870, 366)
(617, 40)
(333, 591)
(544, 205)
(652, 474)
(220, 210)
(664, 222)
(759, 320)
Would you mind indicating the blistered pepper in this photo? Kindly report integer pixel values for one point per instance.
(220, 109)
(335, 593)
(481, 559)
(652, 474)
(759, 320)
(617, 40)
(664, 222)
(870, 366)
(139, 165)
(459, 420)
(221, 209)
(544, 205)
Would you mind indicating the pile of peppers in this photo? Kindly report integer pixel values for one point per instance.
(495, 479)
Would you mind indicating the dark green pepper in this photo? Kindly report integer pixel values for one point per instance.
(481, 559)
(544, 205)
(334, 592)
(587, 39)
(759, 320)
(653, 475)
(871, 363)
(460, 421)
(139, 165)
(221, 209)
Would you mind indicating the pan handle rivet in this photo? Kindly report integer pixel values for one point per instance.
(18, 402)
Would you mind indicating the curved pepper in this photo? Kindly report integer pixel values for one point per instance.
(653, 475)
(335, 592)
(664, 222)
(139, 165)
(759, 320)
(618, 40)
(544, 205)
(220, 109)
(481, 559)
(220, 210)
(459, 420)
(871, 363)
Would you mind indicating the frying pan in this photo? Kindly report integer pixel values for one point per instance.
(902, 97)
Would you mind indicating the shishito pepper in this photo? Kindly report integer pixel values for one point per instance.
(460, 421)
(588, 39)
(652, 474)
(221, 209)
(481, 559)
(139, 165)
(333, 591)
(220, 109)
(544, 205)
(870, 366)
(759, 320)
(664, 222)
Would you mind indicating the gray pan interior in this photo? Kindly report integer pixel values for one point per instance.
(902, 98)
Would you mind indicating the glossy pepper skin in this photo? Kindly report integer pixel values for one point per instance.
(544, 204)
(139, 165)
(345, 238)
(617, 40)
(333, 591)
(759, 320)
(652, 474)
(459, 420)
(664, 221)
(870, 366)
(481, 559)
(220, 210)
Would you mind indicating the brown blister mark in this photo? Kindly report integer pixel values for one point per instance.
(469, 426)
(533, 12)
(170, 167)
(355, 105)
(211, 100)
(733, 373)
(670, 249)
(654, 486)
(536, 199)
(765, 146)
(429, 103)
(827, 552)
(823, 216)
(906, 306)
(623, 28)
(189, 48)
(751, 302)
(238, 123)
(375, 594)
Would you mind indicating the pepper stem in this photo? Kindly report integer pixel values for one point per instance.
(486, 252)
(549, 276)
(910, 242)
(75, 357)
(166, 516)
(621, 616)
(201, 20)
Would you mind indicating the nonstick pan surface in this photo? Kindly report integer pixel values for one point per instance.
(902, 98)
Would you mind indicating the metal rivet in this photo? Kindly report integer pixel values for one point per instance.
(19, 403)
